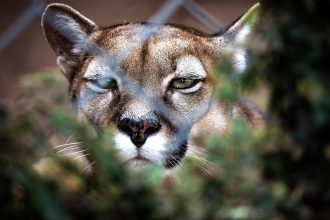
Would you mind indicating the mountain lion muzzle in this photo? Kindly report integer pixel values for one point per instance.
(149, 84)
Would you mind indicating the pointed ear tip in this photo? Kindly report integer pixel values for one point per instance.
(252, 15)
(52, 11)
(56, 7)
(52, 8)
(255, 7)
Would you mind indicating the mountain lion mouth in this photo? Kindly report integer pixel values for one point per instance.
(138, 162)
(172, 160)
(139, 158)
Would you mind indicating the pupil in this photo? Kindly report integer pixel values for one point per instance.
(182, 83)
(104, 83)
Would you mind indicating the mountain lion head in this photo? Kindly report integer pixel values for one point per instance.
(148, 84)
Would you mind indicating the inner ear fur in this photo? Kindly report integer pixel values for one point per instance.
(66, 30)
(235, 39)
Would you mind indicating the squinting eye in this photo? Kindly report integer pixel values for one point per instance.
(182, 83)
(105, 83)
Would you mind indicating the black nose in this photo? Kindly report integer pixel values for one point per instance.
(139, 130)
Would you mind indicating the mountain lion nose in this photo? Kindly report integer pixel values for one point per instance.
(139, 130)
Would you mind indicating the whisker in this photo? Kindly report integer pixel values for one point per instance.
(206, 163)
(171, 162)
(202, 159)
(88, 166)
(83, 155)
(176, 163)
(77, 152)
(69, 144)
(68, 139)
(69, 148)
(198, 151)
(206, 171)
(200, 154)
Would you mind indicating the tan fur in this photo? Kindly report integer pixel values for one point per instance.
(144, 66)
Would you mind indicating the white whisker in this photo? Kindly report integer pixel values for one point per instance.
(68, 148)
(88, 166)
(68, 139)
(202, 159)
(77, 152)
(206, 171)
(69, 144)
(84, 155)
(195, 149)
(198, 151)
(200, 155)
(176, 164)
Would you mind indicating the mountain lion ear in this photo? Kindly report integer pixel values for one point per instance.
(66, 31)
(235, 39)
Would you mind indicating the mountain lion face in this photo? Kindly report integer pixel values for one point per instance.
(147, 84)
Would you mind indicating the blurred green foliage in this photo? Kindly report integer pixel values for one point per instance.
(280, 172)
(224, 186)
(295, 45)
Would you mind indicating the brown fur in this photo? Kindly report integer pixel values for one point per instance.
(147, 67)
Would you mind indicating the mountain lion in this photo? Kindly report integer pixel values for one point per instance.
(148, 84)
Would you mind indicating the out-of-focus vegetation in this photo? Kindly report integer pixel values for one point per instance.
(225, 187)
(294, 43)
(281, 172)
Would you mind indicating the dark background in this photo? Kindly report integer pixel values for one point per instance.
(29, 51)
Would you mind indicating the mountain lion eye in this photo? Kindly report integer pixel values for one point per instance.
(183, 83)
(105, 83)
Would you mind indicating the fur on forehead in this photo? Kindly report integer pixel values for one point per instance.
(166, 39)
(187, 65)
(67, 31)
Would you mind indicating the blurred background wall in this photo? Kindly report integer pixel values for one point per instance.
(29, 51)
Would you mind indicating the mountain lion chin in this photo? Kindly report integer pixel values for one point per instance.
(140, 159)
(139, 163)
